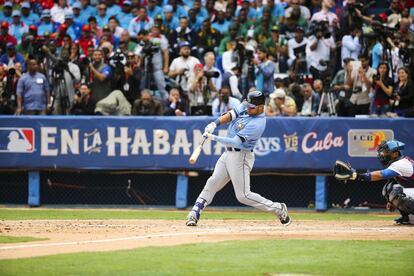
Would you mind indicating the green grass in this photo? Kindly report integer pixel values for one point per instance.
(82, 214)
(231, 258)
(11, 239)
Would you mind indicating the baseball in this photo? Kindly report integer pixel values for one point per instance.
(159, 133)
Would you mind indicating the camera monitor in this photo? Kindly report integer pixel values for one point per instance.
(299, 50)
(201, 110)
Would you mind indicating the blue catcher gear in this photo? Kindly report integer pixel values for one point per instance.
(386, 148)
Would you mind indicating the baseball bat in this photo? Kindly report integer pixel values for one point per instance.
(196, 152)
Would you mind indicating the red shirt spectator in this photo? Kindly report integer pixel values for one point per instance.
(86, 39)
(5, 38)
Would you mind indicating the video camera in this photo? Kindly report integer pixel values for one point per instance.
(241, 54)
(321, 29)
(59, 67)
(149, 49)
(117, 59)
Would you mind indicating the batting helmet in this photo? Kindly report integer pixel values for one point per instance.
(386, 148)
(256, 98)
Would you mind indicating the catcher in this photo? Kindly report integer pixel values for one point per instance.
(398, 169)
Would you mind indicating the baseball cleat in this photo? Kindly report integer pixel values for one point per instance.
(284, 216)
(192, 221)
(403, 220)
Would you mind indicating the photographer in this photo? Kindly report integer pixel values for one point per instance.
(265, 71)
(154, 51)
(318, 51)
(231, 79)
(201, 89)
(351, 44)
(361, 82)
(209, 66)
(65, 78)
(101, 76)
(133, 75)
(147, 105)
(224, 102)
(404, 94)
(383, 89)
(83, 104)
(7, 93)
(341, 85)
(297, 52)
(182, 66)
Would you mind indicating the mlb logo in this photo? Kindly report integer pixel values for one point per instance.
(20, 140)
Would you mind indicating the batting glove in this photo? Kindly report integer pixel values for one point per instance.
(208, 135)
(210, 127)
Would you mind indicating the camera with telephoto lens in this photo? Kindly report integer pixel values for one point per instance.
(149, 49)
(117, 59)
(211, 74)
(357, 89)
(11, 72)
(59, 67)
(322, 30)
(406, 55)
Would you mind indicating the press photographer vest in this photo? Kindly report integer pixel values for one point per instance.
(100, 89)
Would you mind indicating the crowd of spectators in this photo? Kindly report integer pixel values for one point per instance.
(201, 57)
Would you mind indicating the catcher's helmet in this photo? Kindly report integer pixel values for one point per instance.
(386, 147)
(256, 98)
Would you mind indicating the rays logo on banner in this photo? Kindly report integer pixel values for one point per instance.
(17, 140)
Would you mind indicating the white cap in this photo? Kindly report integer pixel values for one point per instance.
(279, 93)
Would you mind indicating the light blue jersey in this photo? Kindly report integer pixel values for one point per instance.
(248, 128)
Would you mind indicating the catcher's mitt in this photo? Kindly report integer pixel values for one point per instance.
(343, 171)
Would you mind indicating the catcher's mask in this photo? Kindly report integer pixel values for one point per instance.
(386, 148)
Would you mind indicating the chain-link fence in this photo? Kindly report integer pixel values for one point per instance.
(158, 188)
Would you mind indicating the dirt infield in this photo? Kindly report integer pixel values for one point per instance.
(65, 236)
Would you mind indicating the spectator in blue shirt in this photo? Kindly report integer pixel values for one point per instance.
(33, 91)
(6, 14)
(201, 12)
(251, 12)
(28, 17)
(139, 23)
(86, 11)
(178, 9)
(74, 28)
(265, 71)
(17, 28)
(125, 15)
(77, 16)
(153, 10)
(169, 20)
(221, 24)
(11, 57)
(102, 17)
(194, 22)
(46, 25)
(112, 9)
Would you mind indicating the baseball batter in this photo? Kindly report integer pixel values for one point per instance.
(399, 169)
(247, 124)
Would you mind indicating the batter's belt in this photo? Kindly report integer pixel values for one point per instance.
(236, 149)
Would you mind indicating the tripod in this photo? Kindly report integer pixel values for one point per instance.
(60, 92)
(331, 103)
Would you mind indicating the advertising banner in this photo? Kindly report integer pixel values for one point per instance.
(164, 143)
